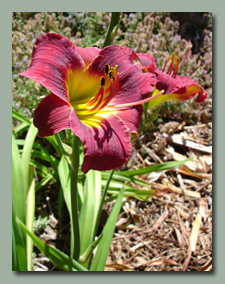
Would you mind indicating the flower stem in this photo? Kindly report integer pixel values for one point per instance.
(75, 231)
(62, 149)
(115, 19)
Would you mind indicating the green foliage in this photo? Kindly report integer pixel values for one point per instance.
(23, 202)
(59, 258)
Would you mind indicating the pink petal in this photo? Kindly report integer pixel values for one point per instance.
(53, 58)
(87, 54)
(134, 86)
(167, 83)
(131, 118)
(107, 146)
(146, 59)
(112, 55)
(188, 88)
(51, 116)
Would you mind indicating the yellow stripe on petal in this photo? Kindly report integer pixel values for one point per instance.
(81, 85)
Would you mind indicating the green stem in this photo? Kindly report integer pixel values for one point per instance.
(62, 149)
(102, 200)
(115, 19)
(75, 231)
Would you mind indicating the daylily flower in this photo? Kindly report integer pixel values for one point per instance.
(95, 93)
(175, 87)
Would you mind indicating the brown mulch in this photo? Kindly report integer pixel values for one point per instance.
(171, 233)
(174, 231)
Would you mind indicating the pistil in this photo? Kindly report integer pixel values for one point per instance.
(140, 102)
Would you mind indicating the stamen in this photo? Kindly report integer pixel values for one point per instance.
(170, 69)
(168, 59)
(142, 101)
(107, 99)
(185, 56)
(101, 90)
(176, 68)
(102, 82)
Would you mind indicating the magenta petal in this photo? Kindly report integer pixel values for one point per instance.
(112, 55)
(53, 58)
(146, 59)
(51, 116)
(134, 86)
(87, 54)
(185, 83)
(131, 117)
(105, 147)
(167, 83)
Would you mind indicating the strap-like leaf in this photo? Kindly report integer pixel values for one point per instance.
(62, 260)
(99, 260)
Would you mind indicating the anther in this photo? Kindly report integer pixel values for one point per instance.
(111, 75)
(107, 68)
(102, 81)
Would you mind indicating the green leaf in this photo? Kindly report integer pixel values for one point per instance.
(19, 259)
(20, 128)
(18, 188)
(45, 170)
(156, 168)
(43, 182)
(87, 254)
(99, 260)
(120, 176)
(21, 118)
(26, 156)
(144, 195)
(153, 117)
(89, 210)
(62, 260)
(30, 217)
(64, 176)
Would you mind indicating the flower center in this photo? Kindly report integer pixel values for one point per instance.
(89, 95)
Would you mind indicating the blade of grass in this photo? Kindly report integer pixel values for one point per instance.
(18, 189)
(20, 128)
(26, 156)
(62, 260)
(87, 254)
(30, 217)
(99, 260)
(89, 210)
(64, 176)
(156, 168)
(19, 260)
(20, 117)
